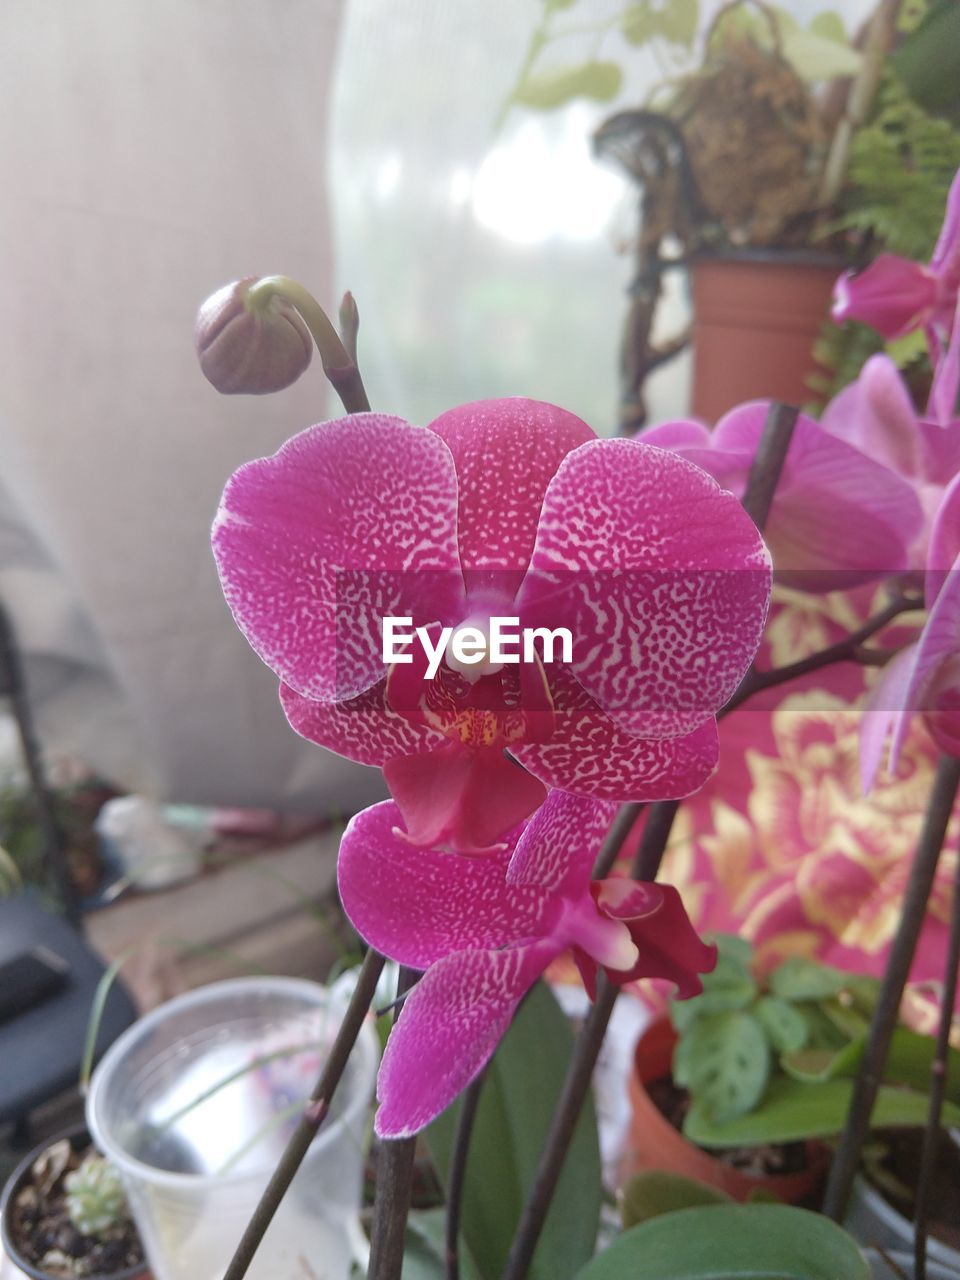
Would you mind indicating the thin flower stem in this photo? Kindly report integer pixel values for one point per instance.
(458, 1173)
(761, 486)
(943, 795)
(340, 368)
(845, 650)
(312, 1118)
(938, 1085)
(391, 1202)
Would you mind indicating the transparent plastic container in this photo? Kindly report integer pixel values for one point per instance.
(195, 1103)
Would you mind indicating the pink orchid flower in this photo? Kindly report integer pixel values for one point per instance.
(896, 296)
(924, 676)
(503, 508)
(876, 415)
(840, 517)
(485, 929)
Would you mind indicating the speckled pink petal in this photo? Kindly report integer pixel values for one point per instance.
(461, 798)
(661, 577)
(416, 905)
(839, 518)
(560, 843)
(893, 295)
(449, 1027)
(365, 728)
(939, 642)
(506, 452)
(590, 755)
(944, 545)
(351, 520)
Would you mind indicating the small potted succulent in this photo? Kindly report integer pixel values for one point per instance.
(64, 1215)
(741, 1086)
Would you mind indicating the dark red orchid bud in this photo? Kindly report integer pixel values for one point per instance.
(250, 349)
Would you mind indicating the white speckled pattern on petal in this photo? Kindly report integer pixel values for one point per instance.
(349, 521)
(661, 577)
(560, 844)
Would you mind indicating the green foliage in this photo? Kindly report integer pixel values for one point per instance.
(732, 1242)
(674, 21)
(901, 167)
(655, 1191)
(546, 90)
(520, 1092)
(95, 1198)
(776, 1063)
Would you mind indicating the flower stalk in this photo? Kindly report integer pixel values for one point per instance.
(939, 810)
(338, 356)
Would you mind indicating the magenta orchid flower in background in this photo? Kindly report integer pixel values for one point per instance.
(877, 416)
(485, 929)
(840, 517)
(895, 296)
(925, 676)
(501, 508)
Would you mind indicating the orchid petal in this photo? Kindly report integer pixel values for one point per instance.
(939, 642)
(417, 905)
(350, 521)
(942, 405)
(506, 453)
(946, 255)
(661, 577)
(876, 415)
(669, 948)
(893, 295)
(590, 755)
(944, 542)
(461, 797)
(884, 703)
(838, 518)
(449, 1027)
(365, 728)
(559, 844)
(624, 899)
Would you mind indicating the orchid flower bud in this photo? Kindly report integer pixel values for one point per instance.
(250, 349)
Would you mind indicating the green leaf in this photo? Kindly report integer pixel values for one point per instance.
(903, 351)
(657, 1191)
(908, 1063)
(813, 56)
(829, 26)
(424, 1249)
(730, 986)
(519, 1095)
(785, 1026)
(821, 1032)
(791, 1111)
(798, 978)
(724, 1060)
(547, 90)
(674, 20)
(732, 1242)
(848, 1020)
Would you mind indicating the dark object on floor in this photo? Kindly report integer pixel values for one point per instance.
(41, 1047)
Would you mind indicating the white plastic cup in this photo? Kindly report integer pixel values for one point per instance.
(194, 1105)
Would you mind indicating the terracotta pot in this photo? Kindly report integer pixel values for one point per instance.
(653, 1142)
(756, 317)
(79, 1138)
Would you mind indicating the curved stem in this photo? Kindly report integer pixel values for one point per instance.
(938, 1085)
(913, 909)
(458, 1173)
(312, 1118)
(340, 368)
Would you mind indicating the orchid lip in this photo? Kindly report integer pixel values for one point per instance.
(605, 940)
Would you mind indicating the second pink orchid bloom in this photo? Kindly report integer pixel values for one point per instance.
(485, 929)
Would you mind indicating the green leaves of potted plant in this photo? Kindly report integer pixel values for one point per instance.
(761, 1067)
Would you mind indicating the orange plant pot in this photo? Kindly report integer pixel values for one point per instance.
(755, 320)
(653, 1142)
